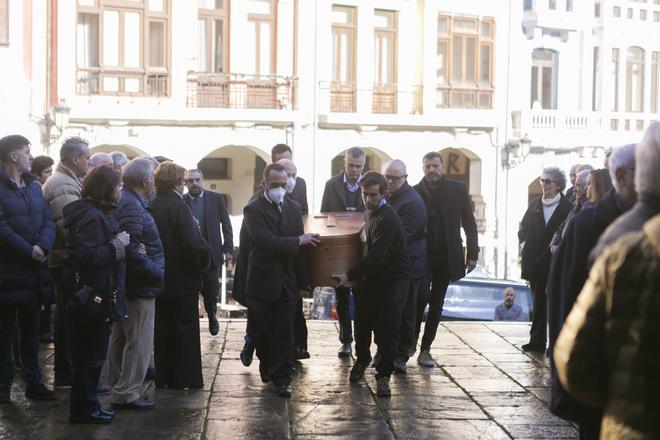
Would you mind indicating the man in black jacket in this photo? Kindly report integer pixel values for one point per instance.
(448, 208)
(386, 270)
(131, 341)
(275, 234)
(410, 207)
(342, 193)
(296, 185)
(210, 210)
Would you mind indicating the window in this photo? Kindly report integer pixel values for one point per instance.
(635, 79)
(656, 16)
(595, 100)
(654, 81)
(261, 36)
(615, 79)
(544, 78)
(343, 58)
(122, 48)
(597, 10)
(528, 5)
(642, 14)
(569, 5)
(213, 36)
(464, 62)
(385, 44)
(552, 4)
(4, 22)
(616, 11)
(630, 13)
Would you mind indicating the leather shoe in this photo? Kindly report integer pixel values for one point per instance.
(214, 325)
(247, 353)
(301, 353)
(95, 418)
(344, 351)
(284, 391)
(530, 346)
(357, 372)
(139, 404)
(39, 392)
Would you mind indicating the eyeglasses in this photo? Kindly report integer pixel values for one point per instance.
(546, 181)
(395, 178)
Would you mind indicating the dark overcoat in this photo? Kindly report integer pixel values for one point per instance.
(568, 274)
(334, 196)
(299, 194)
(456, 212)
(216, 215)
(411, 209)
(187, 254)
(25, 221)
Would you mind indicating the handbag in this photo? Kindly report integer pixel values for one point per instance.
(96, 304)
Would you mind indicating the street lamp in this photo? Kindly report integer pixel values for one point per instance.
(515, 151)
(53, 126)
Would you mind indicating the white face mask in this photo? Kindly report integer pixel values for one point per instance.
(290, 184)
(276, 194)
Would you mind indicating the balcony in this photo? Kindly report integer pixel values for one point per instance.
(453, 97)
(569, 129)
(385, 98)
(241, 91)
(122, 82)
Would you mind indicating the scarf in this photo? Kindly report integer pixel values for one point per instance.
(549, 206)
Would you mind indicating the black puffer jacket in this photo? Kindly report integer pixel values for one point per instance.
(145, 270)
(92, 256)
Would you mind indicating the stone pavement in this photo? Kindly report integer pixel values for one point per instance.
(484, 388)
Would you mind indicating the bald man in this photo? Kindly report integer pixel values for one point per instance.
(508, 310)
(99, 159)
(296, 188)
(412, 211)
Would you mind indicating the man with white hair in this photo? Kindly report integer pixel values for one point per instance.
(99, 159)
(119, 159)
(639, 187)
(570, 192)
(580, 199)
(570, 272)
(131, 342)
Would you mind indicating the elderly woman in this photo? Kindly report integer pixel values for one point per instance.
(177, 347)
(537, 227)
(95, 269)
(599, 184)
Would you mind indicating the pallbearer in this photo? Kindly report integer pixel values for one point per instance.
(385, 269)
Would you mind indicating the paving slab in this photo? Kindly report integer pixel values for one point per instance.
(483, 387)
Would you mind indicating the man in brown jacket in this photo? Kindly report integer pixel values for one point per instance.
(62, 188)
(608, 352)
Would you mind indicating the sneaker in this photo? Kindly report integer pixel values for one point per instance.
(424, 359)
(357, 372)
(139, 404)
(39, 392)
(400, 366)
(5, 395)
(383, 387)
(344, 351)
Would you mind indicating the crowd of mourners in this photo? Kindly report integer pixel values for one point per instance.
(123, 251)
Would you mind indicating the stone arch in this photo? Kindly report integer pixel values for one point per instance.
(376, 159)
(130, 150)
(464, 165)
(235, 172)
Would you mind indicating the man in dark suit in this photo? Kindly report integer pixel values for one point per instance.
(410, 207)
(275, 235)
(210, 210)
(342, 193)
(448, 207)
(296, 187)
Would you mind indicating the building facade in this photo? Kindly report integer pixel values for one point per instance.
(500, 88)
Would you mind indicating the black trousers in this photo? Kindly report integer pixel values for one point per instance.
(435, 297)
(538, 333)
(342, 295)
(177, 351)
(22, 319)
(271, 328)
(211, 289)
(88, 343)
(300, 327)
(408, 326)
(379, 310)
(62, 298)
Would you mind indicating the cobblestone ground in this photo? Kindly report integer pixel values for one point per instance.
(484, 387)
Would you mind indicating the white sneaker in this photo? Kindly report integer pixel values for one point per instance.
(425, 360)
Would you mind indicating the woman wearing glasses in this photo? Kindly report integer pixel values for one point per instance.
(539, 224)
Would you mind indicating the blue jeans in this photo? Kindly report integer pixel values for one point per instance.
(28, 324)
(88, 338)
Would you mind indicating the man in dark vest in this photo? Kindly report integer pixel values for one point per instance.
(448, 207)
(209, 209)
(342, 193)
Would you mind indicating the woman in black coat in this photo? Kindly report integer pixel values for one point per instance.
(95, 269)
(177, 349)
(539, 224)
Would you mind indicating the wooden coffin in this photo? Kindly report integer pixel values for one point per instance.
(340, 247)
